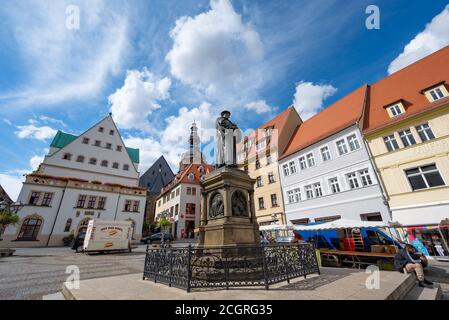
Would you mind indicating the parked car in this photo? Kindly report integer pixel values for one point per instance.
(78, 242)
(157, 238)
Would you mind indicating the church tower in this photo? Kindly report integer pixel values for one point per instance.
(194, 154)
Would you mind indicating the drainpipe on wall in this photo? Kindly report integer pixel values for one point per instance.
(116, 207)
(56, 217)
(378, 176)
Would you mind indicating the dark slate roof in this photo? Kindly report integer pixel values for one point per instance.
(157, 176)
(62, 139)
(4, 196)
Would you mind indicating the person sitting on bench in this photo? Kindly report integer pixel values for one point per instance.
(407, 258)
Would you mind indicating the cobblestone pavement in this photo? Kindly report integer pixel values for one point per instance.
(34, 272)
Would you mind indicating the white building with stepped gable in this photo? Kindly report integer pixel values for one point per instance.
(90, 176)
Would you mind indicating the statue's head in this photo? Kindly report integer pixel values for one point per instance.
(225, 114)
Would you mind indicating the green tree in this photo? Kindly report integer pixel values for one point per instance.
(7, 218)
(164, 224)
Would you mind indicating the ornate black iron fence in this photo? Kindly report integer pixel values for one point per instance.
(219, 267)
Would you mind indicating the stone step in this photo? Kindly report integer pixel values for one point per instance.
(403, 288)
(418, 293)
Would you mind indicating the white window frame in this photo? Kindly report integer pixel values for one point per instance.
(395, 110)
(352, 177)
(334, 185)
(325, 151)
(365, 177)
(290, 196)
(422, 174)
(285, 169)
(344, 146)
(309, 190)
(317, 190)
(302, 163)
(292, 167)
(437, 93)
(297, 194)
(353, 141)
(261, 145)
(389, 140)
(407, 135)
(424, 128)
(310, 159)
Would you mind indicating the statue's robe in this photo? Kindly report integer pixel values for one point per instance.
(227, 135)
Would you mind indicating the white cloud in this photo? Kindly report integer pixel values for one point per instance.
(434, 37)
(65, 64)
(12, 183)
(31, 131)
(178, 127)
(216, 50)
(309, 98)
(48, 119)
(259, 106)
(172, 142)
(138, 98)
(35, 161)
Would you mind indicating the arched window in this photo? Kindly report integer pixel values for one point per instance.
(68, 224)
(104, 163)
(82, 227)
(30, 229)
(191, 176)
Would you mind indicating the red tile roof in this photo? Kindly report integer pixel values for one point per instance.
(182, 176)
(407, 84)
(338, 116)
(277, 123)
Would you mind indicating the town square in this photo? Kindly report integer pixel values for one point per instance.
(224, 150)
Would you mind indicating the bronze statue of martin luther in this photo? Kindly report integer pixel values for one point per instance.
(227, 137)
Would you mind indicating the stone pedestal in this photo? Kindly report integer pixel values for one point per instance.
(228, 217)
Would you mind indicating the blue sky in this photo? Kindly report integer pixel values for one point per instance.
(159, 65)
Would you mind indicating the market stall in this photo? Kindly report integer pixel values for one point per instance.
(357, 243)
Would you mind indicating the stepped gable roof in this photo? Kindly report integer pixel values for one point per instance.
(62, 139)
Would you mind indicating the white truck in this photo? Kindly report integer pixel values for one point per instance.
(102, 236)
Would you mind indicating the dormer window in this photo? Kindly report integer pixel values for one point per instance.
(119, 148)
(191, 177)
(97, 143)
(67, 156)
(86, 140)
(437, 93)
(395, 110)
(100, 129)
(111, 132)
(92, 161)
(104, 163)
(126, 167)
(108, 146)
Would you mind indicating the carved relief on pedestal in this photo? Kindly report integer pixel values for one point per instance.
(239, 204)
(216, 206)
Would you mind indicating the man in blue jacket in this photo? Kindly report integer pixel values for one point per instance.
(407, 258)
